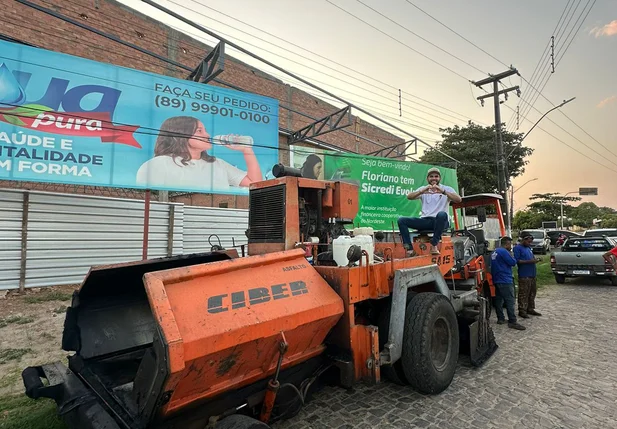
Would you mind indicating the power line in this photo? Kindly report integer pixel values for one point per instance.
(339, 79)
(181, 66)
(533, 77)
(458, 34)
(567, 145)
(539, 92)
(541, 75)
(321, 56)
(420, 37)
(397, 40)
(559, 38)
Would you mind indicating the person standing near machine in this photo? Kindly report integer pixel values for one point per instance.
(434, 215)
(502, 262)
(526, 277)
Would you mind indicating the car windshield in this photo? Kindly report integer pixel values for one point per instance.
(587, 245)
(534, 234)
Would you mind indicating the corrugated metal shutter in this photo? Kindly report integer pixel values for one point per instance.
(201, 222)
(10, 238)
(67, 234)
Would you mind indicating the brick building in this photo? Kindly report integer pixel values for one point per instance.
(28, 25)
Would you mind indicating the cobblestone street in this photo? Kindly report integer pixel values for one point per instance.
(559, 373)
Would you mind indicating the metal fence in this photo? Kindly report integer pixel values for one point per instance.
(50, 239)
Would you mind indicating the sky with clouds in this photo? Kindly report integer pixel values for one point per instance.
(379, 47)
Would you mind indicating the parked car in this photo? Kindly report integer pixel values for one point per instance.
(554, 235)
(608, 232)
(582, 257)
(541, 241)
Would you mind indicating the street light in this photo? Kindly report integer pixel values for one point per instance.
(581, 191)
(512, 191)
(524, 137)
(538, 121)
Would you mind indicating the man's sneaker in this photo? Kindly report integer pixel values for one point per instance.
(434, 250)
(534, 313)
(501, 322)
(516, 326)
(410, 253)
(523, 315)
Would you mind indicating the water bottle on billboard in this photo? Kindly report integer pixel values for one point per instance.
(227, 139)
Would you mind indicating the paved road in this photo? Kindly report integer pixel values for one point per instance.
(560, 373)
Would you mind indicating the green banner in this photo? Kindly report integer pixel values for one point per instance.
(383, 184)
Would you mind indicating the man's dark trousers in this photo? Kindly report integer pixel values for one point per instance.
(436, 224)
(505, 293)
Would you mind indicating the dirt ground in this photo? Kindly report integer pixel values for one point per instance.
(30, 332)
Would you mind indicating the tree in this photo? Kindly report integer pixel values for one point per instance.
(527, 219)
(549, 205)
(585, 214)
(474, 147)
(609, 221)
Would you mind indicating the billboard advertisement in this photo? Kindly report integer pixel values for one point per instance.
(383, 185)
(65, 119)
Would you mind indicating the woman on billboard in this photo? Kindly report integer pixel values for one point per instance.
(181, 159)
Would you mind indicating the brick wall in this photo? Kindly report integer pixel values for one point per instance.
(29, 25)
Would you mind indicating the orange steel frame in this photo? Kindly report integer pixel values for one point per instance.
(477, 266)
(353, 284)
(371, 282)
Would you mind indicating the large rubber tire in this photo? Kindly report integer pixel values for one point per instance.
(394, 373)
(431, 343)
(239, 421)
(560, 278)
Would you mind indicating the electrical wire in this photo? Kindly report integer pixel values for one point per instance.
(397, 40)
(428, 145)
(288, 78)
(548, 75)
(420, 37)
(338, 79)
(458, 34)
(282, 105)
(532, 80)
(573, 148)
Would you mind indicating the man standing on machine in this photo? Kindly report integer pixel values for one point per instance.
(434, 215)
(526, 277)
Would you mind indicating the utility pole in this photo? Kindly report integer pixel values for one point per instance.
(502, 184)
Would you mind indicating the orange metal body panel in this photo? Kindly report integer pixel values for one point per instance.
(344, 201)
(222, 321)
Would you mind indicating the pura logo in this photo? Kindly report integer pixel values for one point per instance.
(82, 110)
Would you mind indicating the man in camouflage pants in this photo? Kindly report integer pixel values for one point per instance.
(526, 277)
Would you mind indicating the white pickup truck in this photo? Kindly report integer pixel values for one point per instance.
(582, 257)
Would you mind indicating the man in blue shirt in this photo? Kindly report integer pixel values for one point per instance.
(526, 277)
(502, 262)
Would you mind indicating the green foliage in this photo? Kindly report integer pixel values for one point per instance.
(528, 219)
(609, 221)
(19, 320)
(474, 147)
(8, 355)
(20, 412)
(48, 296)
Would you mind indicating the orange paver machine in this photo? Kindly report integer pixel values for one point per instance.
(214, 340)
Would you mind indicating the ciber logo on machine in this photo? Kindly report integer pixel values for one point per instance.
(258, 295)
(45, 114)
